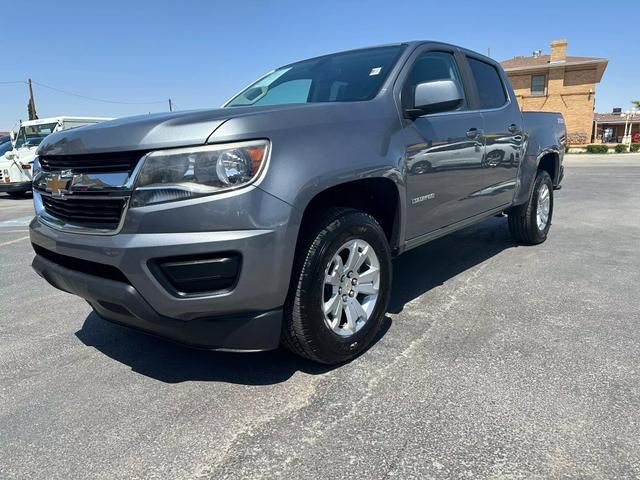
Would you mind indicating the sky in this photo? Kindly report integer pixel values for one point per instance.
(199, 53)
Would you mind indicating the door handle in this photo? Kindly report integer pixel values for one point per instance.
(513, 128)
(473, 133)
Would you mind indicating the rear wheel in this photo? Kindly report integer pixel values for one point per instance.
(530, 223)
(340, 287)
(17, 194)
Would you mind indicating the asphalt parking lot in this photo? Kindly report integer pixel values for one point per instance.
(498, 361)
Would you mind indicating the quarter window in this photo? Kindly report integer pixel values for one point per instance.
(538, 84)
(490, 88)
(429, 67)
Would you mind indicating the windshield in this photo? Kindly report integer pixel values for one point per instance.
(32, 135)
(4, 147)
(341, 77)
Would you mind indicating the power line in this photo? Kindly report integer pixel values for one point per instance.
(13, 82)
(66, 92)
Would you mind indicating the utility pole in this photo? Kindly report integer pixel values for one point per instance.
(170, 106)
(489, 52)
(31, 108)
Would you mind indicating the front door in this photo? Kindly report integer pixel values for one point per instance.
(444, 152)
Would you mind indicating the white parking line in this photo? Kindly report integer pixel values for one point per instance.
(14, 241)
(17, 222)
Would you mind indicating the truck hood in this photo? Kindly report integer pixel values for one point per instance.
(148, 132)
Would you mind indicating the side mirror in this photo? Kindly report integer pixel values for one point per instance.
(12, 135)
(436, 96)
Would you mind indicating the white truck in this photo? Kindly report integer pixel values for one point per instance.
(16, 164)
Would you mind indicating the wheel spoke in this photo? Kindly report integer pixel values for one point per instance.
(333, 276)
(354, 313)
(337, 315)
(353, 255)
(368, 288)
(360, 258)
(331, 305)
(369, 276)
(544, 194)
(352, 316)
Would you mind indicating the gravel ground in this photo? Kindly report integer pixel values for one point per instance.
(497, 361)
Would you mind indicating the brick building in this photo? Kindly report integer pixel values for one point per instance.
(559, 83)
(611, 127)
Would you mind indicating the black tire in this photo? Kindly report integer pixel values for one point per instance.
(17, 194)
(523, 218)
(305, 331)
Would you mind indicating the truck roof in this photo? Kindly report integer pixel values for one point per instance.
(42, 121)
(411, 44)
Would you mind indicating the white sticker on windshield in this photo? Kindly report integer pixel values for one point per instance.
(375, 71)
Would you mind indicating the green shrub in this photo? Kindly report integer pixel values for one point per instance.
(621, 148)
(634, 147)
(597, 148)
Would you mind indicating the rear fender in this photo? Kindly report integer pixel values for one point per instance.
(528, 171)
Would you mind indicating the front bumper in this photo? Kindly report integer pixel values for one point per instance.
(246, 316)
(121, 303)
(15, 187)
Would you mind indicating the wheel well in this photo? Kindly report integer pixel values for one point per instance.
(376, 196)
(549, 163)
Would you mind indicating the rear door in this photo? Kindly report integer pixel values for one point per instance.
(444, 150)
(502, 134)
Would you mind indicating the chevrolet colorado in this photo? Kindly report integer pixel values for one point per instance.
(273, 220)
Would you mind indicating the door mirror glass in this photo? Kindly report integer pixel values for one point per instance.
(437, 96)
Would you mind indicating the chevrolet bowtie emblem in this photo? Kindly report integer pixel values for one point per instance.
(58, 183)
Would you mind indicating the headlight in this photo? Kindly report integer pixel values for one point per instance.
(178, 174)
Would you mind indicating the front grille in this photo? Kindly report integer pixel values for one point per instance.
(98, 162)
(83, 266)
(86, 212)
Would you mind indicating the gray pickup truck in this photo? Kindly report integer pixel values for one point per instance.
(273, 220)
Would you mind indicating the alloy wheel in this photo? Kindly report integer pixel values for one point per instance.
(351, 285)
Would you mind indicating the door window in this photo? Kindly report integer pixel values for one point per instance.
(429, 67)
(490, 88)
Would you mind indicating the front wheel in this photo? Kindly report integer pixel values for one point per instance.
(340, 288)
(530, 223)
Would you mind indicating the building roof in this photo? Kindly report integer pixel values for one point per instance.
(543, 62)
(615, 118)
(521, 61)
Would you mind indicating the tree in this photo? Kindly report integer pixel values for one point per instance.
(636, 103)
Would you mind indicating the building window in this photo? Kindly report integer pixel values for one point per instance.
(538, 84)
